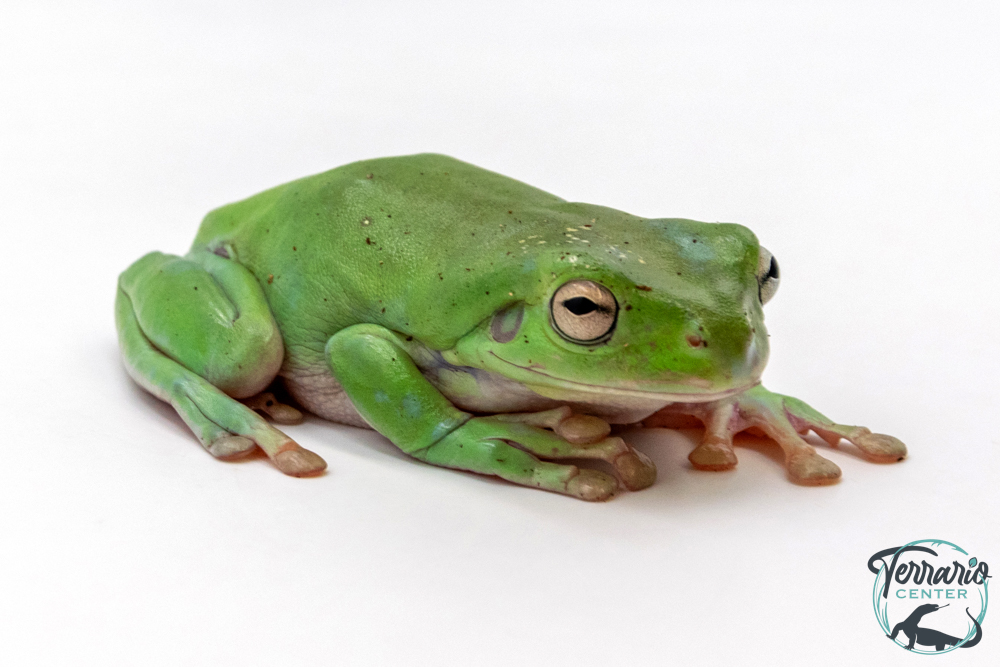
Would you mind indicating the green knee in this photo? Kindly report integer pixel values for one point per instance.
(210, 315)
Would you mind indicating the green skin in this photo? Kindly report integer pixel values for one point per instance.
(418, 296)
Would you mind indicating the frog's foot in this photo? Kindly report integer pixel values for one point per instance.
(278, 412)
(783, 419)
(586, 436)
(511, 449)
(230, 430)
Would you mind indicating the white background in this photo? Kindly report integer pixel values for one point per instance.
(861, 143)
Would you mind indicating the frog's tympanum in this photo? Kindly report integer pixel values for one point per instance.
(475, 321)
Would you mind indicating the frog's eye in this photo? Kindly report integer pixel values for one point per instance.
(768, 275)
(584, 312)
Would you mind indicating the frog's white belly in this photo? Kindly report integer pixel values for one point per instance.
(472, 390)
(317, 391)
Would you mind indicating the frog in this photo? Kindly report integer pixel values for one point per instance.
(478, 323)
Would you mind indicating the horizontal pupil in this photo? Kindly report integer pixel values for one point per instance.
(579, 305)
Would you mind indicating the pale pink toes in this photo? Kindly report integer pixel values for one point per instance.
(279, 413)
(811, 469)
(299, 462)
(713, 456)
(231, 447)
(592, 485)
(880, 448)
(783, 419)
(636, 470)
(583, 429)
(587, 437)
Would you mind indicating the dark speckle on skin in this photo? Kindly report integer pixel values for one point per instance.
(628, 307)
(270, 278)
(368, 241)
(644, 288)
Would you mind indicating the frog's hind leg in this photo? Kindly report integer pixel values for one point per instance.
(197, 333)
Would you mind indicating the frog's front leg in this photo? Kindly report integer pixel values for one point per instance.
(372, 365)
(583, 437)
(783, 419)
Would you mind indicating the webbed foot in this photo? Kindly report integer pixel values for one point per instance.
(586, 436)
(783, 419)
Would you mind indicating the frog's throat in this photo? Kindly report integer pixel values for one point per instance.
(673, 397)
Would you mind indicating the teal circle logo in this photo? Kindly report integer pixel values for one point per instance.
(930, 596)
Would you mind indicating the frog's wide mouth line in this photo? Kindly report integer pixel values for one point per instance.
(632, 393)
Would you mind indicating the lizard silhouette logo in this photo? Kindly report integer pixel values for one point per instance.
(930, 596)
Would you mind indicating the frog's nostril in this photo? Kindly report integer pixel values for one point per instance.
(695, 340)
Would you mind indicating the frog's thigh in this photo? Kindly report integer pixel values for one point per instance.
(392, 395)
(208, 314)
(191, 347)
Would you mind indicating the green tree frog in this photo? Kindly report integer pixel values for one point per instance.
(476, 322)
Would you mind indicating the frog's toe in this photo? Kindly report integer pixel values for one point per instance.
(713, 456)
(299, 462)
(637, 471)
(583, 429)
(277, 411)
(811, 469)
(231, 447)
(880, 448)
(592, 485)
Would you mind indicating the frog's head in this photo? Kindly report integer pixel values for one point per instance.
(671, 309)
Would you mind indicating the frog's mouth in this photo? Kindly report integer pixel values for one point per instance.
(669, 396)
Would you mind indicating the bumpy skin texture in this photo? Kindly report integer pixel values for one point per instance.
(433, 301)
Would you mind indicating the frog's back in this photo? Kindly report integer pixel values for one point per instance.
(422, 244)
(425, 197)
